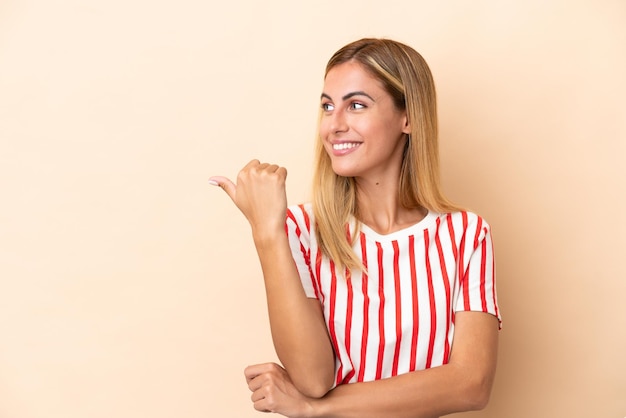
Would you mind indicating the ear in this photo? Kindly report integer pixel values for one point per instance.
(406, 128)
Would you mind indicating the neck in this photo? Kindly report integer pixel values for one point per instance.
(379, 207)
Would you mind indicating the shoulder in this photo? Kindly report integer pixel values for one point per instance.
(300, 212)
(464, 217)
(300, 216)
(465, 223)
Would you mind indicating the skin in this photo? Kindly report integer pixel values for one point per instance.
(380, 129)
(464, 384)
(356, 111)
(297, 323)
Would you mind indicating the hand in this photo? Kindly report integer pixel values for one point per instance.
(273, 391)
(259, 193)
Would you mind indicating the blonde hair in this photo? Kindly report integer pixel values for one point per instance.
(407, 78)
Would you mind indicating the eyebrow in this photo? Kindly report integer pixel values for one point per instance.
(349, 95)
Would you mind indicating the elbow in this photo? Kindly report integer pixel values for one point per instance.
(315, 387)
(314, 391)
(478, 402)
(477, 394)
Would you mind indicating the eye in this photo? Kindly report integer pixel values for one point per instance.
(357, 106)
(327, 107)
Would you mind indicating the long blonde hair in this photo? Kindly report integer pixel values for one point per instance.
(407, 78)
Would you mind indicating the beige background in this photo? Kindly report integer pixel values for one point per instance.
(130, 288)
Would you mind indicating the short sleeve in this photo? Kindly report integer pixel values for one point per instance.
(298, 227)
(477, 290)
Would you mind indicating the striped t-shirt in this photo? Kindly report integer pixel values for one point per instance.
(399, 316)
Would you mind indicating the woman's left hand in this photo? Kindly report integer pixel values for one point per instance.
(260, 195)
(273, 391)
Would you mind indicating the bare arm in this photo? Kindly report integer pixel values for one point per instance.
(298, 330)
(463, 384)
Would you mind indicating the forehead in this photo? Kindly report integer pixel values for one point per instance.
(349, 77)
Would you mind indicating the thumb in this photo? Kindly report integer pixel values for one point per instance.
(223, 182)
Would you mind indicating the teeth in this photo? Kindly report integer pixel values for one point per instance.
(345, 145)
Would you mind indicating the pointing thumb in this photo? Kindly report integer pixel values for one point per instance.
(223, 182)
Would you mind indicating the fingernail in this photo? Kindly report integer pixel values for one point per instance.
(213, 183)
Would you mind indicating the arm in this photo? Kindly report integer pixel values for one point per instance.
(298, 330)
(463, 384)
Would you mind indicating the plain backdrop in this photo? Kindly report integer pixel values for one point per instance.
(130, 288)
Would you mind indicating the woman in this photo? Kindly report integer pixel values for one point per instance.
(389, 309)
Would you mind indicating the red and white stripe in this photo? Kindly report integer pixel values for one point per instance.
(399, 316)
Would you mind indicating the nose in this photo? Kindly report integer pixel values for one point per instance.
(338, 122)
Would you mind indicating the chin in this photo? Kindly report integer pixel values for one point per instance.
(344, 171)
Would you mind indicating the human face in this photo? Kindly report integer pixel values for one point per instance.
(362, 130)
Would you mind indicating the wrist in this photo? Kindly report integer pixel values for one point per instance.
(268, 235)
(316, 408)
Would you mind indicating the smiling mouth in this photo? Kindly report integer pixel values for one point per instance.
(345, 145)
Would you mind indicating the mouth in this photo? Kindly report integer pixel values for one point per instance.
(345, 145)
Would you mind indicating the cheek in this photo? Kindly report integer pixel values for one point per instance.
(365, 128)
(323, 128)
